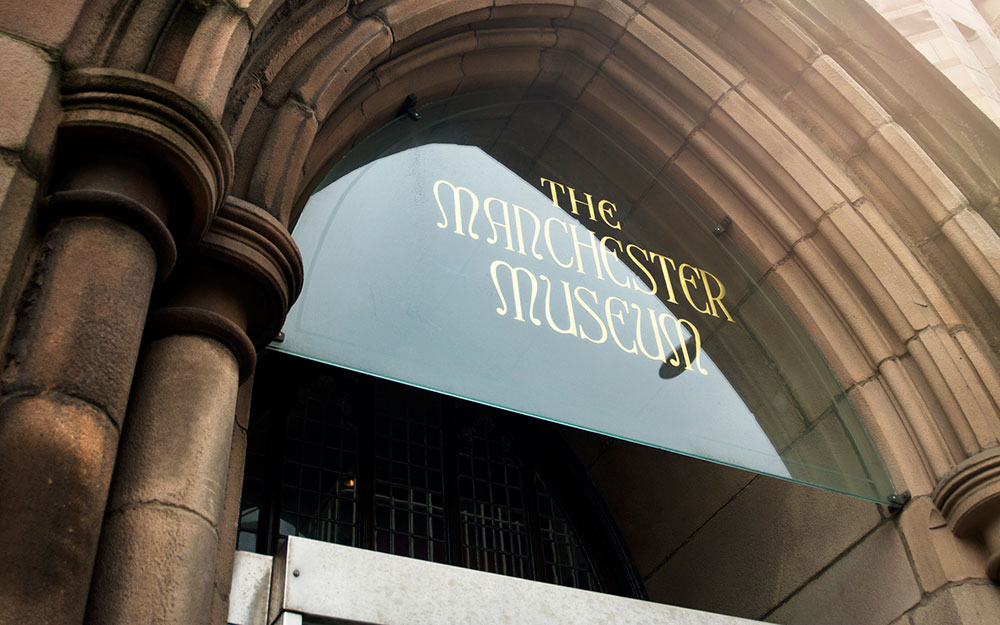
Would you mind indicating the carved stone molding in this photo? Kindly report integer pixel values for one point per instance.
(191, 320)
(137, 136)
(250, 239)
(969, 498)
(119, 207)
(236, 286)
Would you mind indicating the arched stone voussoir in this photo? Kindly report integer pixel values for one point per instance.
(283, 47)
(214, 56)
(794, 169)
(661, 53)
(964, 400)
(835, 107)
(768, 43)
(938, 196)
(873, 286)
(659, 133)
(409, 17)
(323, 84)
(506, 56)
(431, 73)
(978, 244)
(450, 49)
(258, 10)
(277, 173)
(707, 115)
(895, 290)
(492, 56)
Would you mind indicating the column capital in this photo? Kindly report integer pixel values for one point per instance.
(249, 239)
(969, 498)
(130, 141)
(236, 286)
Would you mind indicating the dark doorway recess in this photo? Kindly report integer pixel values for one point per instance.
(348, 458)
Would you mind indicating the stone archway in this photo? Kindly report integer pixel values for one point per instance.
(858, 179)
(747, 142)
(830, 192)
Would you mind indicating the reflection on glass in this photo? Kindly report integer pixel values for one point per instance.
(580, 290)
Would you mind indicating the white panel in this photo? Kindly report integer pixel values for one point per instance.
(289, 618)
(250, 589)
(331, 581)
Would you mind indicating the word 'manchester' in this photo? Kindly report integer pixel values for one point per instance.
(570, 246)
(580, 311)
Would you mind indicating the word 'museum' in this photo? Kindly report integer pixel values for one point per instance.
(655, 334)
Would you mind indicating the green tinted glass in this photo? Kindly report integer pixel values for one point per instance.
(520, 256)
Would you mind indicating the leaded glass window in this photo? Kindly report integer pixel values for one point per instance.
(342, 457)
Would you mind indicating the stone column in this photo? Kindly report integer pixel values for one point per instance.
(969, 498)
(138, 169)
(159, 547)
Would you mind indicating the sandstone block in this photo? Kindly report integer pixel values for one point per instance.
(152, 568)
(872, 584)
(938, 556)
(58, 454)
(214, 55)
(971, 602)
(657, 517)
(279, 165)
(768, 541)
(81, 333)
(18, 235)
(890, 434)
(47, 21)
(323, 85)
(30, 106)
(175, 449)
(937, 194)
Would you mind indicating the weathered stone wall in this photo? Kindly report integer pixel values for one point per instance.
(30, 109)
(719, 539)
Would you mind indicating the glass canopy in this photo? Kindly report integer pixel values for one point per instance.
(520, 256)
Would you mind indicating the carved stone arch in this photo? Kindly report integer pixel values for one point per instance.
(853, 199)
(856, 175)
(874, 224)
(720, 129)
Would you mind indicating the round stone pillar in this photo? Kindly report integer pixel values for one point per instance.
(138, 170)
(969, 498)
(160, 542)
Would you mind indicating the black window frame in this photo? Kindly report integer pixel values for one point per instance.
(536, 443)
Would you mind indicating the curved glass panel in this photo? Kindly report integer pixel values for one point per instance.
(520, 256)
